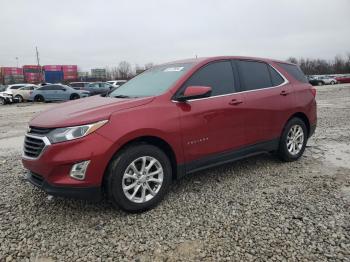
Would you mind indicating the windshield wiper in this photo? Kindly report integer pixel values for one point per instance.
(121, 96)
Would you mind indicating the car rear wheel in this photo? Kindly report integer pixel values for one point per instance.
(74, 97)
(332, 83)
(39, 98)
(293, 141)
(20, 98)
(138, 178)
(2, 101)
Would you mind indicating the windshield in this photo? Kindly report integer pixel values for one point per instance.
(152, 82)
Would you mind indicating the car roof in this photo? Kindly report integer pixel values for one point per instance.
(200, 60)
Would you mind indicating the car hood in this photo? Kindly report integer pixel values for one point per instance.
(84, 111)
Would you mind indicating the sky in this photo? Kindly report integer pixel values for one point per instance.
(100, 33)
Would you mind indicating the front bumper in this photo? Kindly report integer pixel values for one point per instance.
(50, 171)
(84, 193)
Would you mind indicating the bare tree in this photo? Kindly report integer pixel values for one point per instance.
(124, 70)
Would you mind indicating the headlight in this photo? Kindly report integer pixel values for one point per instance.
(71, 133)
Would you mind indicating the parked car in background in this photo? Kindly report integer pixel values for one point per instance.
(343, 79)
(79, 85)
(314, 81)
(23, 93)
(169, 121)
(99, 88)
(10, 88)
(56, 93)
(326, 80)
(117, 82)
(7, 98)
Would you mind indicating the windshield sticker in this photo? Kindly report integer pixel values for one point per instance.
(174, 69)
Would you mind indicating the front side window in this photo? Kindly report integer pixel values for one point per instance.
(217, 75)
(254, 75)
(152, 82)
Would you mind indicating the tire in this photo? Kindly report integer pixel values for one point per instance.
(289, 151)
(2, 101)
(39, 98)
(120, 174)
(74, 96)
(320, 83)
(332, 83)
(20, 98)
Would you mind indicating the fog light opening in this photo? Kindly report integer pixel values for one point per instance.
(78, 170)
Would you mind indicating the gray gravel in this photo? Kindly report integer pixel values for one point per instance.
(256, 209)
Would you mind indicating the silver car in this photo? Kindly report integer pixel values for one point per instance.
(57, 93)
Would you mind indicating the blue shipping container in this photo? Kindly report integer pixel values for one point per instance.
(53, 76)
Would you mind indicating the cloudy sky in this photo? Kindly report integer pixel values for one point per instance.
(93, 33)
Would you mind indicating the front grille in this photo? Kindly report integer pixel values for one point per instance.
(33, 146)
(39, 130)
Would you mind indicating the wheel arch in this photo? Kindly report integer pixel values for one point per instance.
(155, 141)
(303, 117)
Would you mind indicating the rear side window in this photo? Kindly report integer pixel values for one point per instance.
(217, 75)
(294, 71)
(276, 77)
(254, 75)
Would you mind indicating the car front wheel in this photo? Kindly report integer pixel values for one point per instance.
(2, 101)
(20, 98)
(138, 178)
(293, 141)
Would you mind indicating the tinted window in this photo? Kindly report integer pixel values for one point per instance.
(44, 88)
(218, 76)
(294, 71)
(254, 75)
(276, 78)
(77, 85)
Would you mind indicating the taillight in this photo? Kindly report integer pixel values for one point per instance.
(313, 91)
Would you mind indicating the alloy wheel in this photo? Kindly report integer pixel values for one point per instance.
(295, 140)
(142, 179)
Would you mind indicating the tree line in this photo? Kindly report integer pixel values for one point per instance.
(338, 65)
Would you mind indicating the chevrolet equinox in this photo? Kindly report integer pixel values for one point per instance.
(171, 120)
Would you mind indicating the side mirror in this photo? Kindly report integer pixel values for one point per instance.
(195, 92)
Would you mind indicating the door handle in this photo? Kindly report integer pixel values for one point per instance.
(284, 93)
(235, 102)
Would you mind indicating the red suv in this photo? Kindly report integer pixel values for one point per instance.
(171, 120)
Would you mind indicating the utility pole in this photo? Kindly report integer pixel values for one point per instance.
(17, 61)
(38, 62)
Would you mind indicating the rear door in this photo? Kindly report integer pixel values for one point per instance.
(266, 95)
(214, 124)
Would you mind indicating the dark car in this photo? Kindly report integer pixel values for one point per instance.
(79, 85)
(169, 121)
(99, 88)
(315, 81)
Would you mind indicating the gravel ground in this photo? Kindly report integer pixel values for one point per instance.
(256, 209)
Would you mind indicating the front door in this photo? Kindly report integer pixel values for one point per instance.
(215, 124)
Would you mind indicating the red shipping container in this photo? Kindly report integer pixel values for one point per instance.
(31, 67)
(11, 71)
(52, 67)
(69, 68)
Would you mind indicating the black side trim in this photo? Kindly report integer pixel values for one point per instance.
(312, 130)
(85, 193)
(230, 156)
